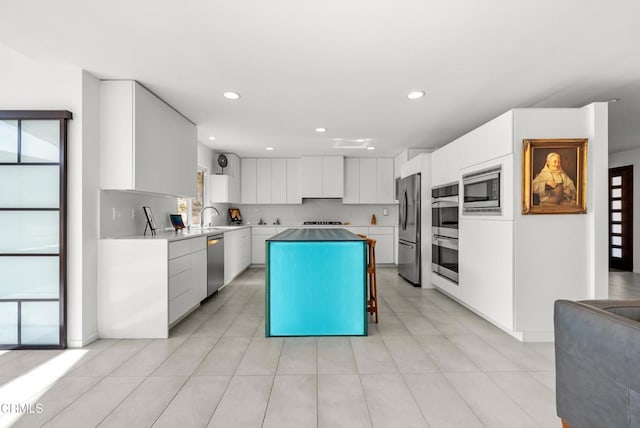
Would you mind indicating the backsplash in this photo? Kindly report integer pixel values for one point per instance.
(319, 210)
(116, 209)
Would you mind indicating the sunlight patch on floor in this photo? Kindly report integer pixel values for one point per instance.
(21, 395)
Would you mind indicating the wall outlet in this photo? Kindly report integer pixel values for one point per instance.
(385, 211)
(133, 213)
(116, 213)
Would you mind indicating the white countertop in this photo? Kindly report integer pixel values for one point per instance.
(207, 231)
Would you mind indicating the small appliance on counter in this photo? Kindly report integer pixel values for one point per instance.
(234, 216)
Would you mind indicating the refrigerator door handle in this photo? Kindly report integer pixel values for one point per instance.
(405, 204)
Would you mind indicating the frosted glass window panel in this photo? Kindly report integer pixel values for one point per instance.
(29, 186)
(616, 216)
(616, 205)
(616, 181)
(30, 277)
(616, 193)
(8, 323)
(8, 141)
(29, 232)
(40, 141)
(616, 240)
(40, 323)
(616, 228)
(616, 252)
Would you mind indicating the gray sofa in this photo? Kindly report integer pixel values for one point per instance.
(597, 346)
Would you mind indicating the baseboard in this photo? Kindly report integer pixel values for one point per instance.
(84, 342)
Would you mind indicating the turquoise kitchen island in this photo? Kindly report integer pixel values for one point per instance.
(316, 283)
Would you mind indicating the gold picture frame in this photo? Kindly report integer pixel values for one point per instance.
(554, 176)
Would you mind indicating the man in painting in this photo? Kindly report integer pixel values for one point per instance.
(553, 185)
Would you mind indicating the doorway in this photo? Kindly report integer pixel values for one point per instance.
(621, 218)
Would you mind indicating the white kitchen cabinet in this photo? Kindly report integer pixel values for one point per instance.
(147, 285)
(322, 177)
(248, 184)
(368, 181)
(385, 184)
(294, 187)
(237, 252)
(225, 188)
(187, 276)
(351, 181)
(385, 244)
(263, 181)
(279, 181)
(445, 164)
(140, 135)
(259, 234)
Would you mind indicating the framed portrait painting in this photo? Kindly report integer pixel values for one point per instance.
(554, 176)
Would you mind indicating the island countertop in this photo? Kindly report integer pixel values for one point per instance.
(317, 235)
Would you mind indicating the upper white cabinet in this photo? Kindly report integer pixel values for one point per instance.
(368, 181)
(294, 187)
(322, 177)
(445, 164)
(225, 188)
(270, 181)
(145, 144)
(248, 189)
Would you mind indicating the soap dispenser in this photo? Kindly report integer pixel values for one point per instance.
(373, 219)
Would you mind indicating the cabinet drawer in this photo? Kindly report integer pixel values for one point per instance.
(180, 283)
(264, 230)
(186, 246)
(381, 230)
(179, 305)
(179, 264)
(359, 230)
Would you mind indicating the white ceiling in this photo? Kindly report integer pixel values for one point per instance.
(347, 65)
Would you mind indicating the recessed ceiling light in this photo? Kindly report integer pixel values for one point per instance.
(231, 95)
(321, 130)
(212, 138)
(371, 148)
(613, 100)
(269, 148)
(415, 95)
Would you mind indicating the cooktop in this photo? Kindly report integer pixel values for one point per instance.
(322, 222)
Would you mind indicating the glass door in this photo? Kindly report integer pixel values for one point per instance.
(33, 229)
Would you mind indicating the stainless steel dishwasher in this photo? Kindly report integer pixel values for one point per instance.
(215, 263)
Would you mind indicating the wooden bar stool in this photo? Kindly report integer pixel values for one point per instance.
(372, 301)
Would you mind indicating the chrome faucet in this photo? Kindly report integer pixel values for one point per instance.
(202, 216)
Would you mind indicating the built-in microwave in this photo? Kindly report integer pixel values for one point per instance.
(481, 192)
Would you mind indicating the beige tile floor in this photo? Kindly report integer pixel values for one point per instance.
(428, 363)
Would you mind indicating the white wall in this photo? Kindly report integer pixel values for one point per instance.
(28, 85)
(561, 256)
(319, 210)
(631, 157)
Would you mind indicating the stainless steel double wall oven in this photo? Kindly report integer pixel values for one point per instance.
(444, 243)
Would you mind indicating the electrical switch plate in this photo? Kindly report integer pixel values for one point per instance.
(385, 211)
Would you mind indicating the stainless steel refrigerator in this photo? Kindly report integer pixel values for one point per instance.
(409, 260)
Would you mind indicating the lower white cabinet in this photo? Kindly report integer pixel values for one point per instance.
(259, 234)
(237, 252)
(146, 285)
(384, 243)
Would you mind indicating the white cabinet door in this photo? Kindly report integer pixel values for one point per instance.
(445, 164)
(351, 181)
(332, 176)
(231, 254)
(259, 234)
(294, 187)
(248, 180)
(385, 181)
(199, 277)
(384, 247)
(312, 177)
(279, 181)
(189, 154)
(368, 181)
(263, 181)
(141, 135)
(219, 188)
